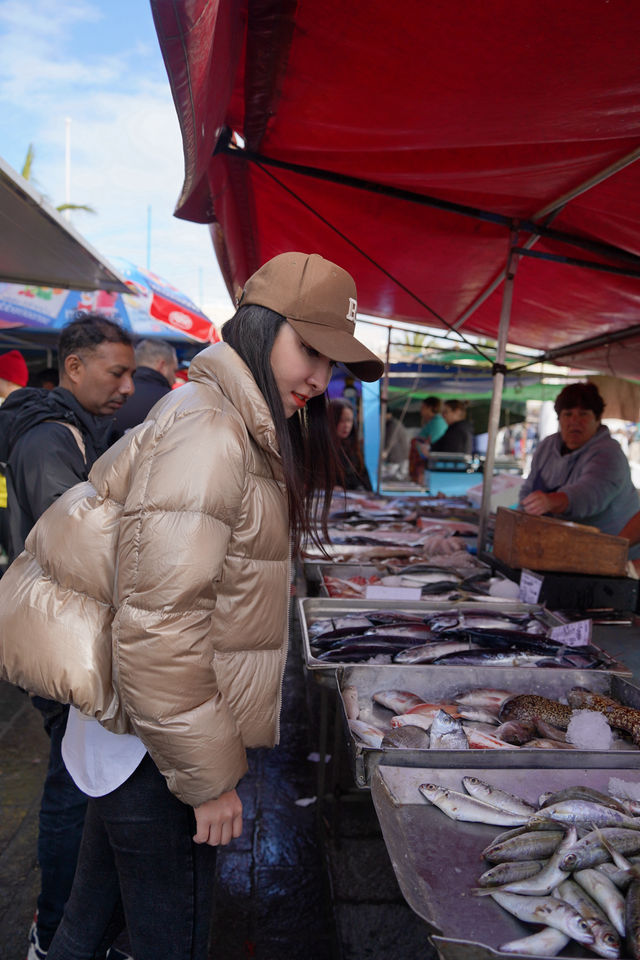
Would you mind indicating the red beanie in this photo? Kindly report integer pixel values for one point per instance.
(13, 368)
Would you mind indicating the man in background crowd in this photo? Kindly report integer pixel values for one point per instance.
(49, 440)
(156, 365)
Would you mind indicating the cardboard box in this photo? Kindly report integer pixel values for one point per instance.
(544, 543)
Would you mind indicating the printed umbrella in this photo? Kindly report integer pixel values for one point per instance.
(155, 308)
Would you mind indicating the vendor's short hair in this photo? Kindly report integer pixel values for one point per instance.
(583, 395)
(86, 332)
(434, 403)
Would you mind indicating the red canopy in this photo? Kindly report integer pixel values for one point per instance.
(414, 143)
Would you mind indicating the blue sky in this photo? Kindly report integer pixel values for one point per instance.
(99, 63)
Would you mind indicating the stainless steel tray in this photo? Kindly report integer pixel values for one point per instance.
(441, 684)
(315, 572)
(437, 860)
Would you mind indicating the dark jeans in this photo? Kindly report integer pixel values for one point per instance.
(137, 843)
(62, 812)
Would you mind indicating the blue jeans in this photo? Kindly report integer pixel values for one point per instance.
(137, 844)
(61, 820)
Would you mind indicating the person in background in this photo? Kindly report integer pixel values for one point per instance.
(396, 441)
(458, 437)
(13, 373)
(580, 473)
(49, 439)
(47, 379)
(433, 426)
(196, 513)
(342, 419)
(156, 365)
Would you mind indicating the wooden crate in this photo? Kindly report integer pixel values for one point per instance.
(544, 543)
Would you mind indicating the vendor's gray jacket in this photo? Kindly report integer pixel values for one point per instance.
(596, 479)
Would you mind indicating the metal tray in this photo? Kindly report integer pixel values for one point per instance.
(315, 572)
(315, 608)
(441, 683)
(437, 860)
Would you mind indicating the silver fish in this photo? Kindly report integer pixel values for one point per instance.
(605, 893)
(606, 940)
(589, 812)
(549, 911)
(543, 883)
(632, 919)
(446, 733)
(496, 797)
(536, 845)
(510, 870)
(590, 851)
(547, 942)
(581, 792)
(427, 652)
(460, 806)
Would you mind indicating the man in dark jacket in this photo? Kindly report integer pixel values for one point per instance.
(156, 365)
(49, 439)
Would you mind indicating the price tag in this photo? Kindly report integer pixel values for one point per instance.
(530, 586)
(576, 634)
(376, 592)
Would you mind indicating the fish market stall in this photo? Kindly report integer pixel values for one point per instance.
(438, 861)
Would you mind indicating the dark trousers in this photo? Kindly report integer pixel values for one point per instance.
(137, 844)
(61, 820)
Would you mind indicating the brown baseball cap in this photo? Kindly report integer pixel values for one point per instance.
(319, 300)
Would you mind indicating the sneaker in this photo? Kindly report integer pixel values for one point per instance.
(35, 950)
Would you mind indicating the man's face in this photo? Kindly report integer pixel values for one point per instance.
(101, 379)
(577, 426)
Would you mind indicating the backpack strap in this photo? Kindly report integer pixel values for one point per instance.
(77, 436)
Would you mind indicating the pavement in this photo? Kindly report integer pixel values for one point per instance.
(306, 881)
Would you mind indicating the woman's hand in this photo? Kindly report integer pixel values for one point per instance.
(219, 821)
(539, 503)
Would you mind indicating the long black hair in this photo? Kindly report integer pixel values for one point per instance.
(308, 455)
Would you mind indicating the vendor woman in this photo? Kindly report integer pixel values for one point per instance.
(581, 473)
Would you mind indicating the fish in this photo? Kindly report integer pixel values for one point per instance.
(427, 708)
(406, 738)
(588, 812)
(427, 652)
(357, 651)
(510, 870)
(621, 878)
(624, 718)
(582, 792)
(549, 732)
(479, 714)
(606, 940)
(446, 733)
(486, 657)
(369, 734)
(482, 740)
(529, 706)
(421, 720)
(543, 743)
(547, 942)
(497, 797)
(606, 895)
(542, 883)
(351, 704)
(632, 918)
(460, 806)
(516, 732)
(487, 697)
(400, 701)
(531, 845)
(548, 911)
(590, 851)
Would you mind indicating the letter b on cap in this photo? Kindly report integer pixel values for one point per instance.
(353, 306)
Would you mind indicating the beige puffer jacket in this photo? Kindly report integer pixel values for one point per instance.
(187, 515)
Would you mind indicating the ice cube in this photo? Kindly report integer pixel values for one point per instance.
(624, 788)
(589, 730)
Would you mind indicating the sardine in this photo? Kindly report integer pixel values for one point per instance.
(546, 910)
(581, 792)
(588, 812)
(460, 806)
(406, 738)
(532, 845)
(547, 942)
(366, 732)
(632, 919)
(510, 870)
(606, 895)
(529, 706)
(589, 850)
(497, 797)
(624, 718)
(446, 733)
(606, 940)
(544, 882)
(397, 700)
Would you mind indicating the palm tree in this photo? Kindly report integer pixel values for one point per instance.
(26, 173)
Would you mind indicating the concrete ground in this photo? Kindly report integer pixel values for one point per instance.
(296, 886)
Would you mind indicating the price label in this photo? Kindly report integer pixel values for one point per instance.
(376, 592)
(530, 586)
(576, 634)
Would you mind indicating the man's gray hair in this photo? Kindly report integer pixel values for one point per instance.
(149, 352)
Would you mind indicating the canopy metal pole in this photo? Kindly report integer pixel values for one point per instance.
(384, 398)
(496, 396)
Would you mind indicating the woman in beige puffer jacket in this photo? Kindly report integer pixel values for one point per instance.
(157, 595)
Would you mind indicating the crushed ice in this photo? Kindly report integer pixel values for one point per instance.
(589, 730)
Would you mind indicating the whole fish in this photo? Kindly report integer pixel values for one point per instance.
(486, 657)
(512, 640)
(354, 651)
(510, 870)
(497, 797)
(533, 845)
(428, 652)
(427, 708)
(516, 732)
(421, 720)
(624, 718)
(543, 883)
(460, 806)
(606, 940)
(479, 714)
(529, 706)
(486, 697)
(632, 807)
(446, 733)
(587, 812)
(547, 942)
(546, 910)
(632, 918)
(350, 700)
(621, 878)
(366, 732)
(406, 738)
(483, 740)
(397, 700)
(606, 895)
(581, 792)
(590, 851)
